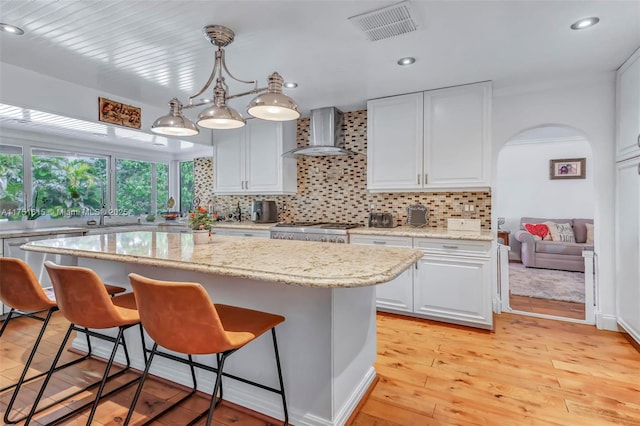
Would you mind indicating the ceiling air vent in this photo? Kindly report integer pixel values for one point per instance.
(387, 22)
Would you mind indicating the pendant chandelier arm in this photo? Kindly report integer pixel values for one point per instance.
(224, 66)
(216, 70)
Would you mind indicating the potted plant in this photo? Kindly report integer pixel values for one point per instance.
(200, 221)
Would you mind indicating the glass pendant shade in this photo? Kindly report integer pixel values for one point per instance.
(220, 117)
(174, 123)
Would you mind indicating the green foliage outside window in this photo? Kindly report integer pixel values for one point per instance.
(186, 186)
(133, 187)
(11, 183)
(66, 186)
(162, 186)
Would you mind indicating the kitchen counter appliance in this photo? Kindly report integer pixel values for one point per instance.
(264, 211)
(382, 220)
(313, 231)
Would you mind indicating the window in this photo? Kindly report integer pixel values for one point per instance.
(162, 186)
(136, 186)
(11, 183)
(186, 185)
(66, 184)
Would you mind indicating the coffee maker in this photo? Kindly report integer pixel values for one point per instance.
(264, 211)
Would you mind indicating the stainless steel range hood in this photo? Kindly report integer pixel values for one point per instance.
(326, 136)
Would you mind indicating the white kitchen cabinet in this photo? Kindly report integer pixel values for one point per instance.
(457, 138)
(453, 282)
(396, 295)
(628, 246)
(628, 108)
(249, 160)
(430, 141)
(395, 142)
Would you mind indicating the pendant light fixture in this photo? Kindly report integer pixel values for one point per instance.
(271, 104)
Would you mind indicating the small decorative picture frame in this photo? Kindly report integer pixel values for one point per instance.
(567, 168)
(113, 112)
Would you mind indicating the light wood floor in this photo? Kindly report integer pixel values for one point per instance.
(557, 308)
(529, 371)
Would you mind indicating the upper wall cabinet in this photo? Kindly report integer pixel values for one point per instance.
(249, 160)
(628, 108)
(436, 140)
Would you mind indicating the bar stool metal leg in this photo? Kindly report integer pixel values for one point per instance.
(154, 351)
(284, 400)
(22, 380)
(34, 409)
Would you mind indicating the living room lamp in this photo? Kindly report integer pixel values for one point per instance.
(271, 103)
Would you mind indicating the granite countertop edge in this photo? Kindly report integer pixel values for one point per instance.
(291, 279)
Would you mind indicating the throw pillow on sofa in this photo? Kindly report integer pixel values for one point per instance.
(561, 232)
(589, 233)
(540, 231)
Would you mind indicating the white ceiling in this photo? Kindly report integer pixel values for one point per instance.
(152, 51)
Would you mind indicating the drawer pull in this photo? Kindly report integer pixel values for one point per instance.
(639, 140)
(447, 246)
(380, 242)
(248, 235)
(418, 179)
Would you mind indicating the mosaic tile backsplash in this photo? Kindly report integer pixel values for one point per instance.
(335, 188)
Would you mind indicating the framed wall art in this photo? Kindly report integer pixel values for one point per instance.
(113, 112)
(567, 168)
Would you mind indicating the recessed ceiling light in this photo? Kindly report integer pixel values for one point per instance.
(406, 61)
(290, 84)
(585, 23)
(11, 29)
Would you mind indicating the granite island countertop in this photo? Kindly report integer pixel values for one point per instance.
(310, 264)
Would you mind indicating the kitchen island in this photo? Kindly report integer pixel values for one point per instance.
(325, 291)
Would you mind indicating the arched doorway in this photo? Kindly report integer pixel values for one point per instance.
(540, 282)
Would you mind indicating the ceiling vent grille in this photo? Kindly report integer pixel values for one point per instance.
(387, 22)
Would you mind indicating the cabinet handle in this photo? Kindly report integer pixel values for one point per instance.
(246, 184)
(447, 246)
(248, 235)
(416, 265)
(418, 179)
(19, 243)
(639, 169)
(380, 242)
(638, 139)
(426, 178)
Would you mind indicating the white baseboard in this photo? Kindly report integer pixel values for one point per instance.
(606, 322)
(269, 404)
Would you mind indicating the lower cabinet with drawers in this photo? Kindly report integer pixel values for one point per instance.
(451, 283)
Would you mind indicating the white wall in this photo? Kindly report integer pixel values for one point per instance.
(588, 106)
(29, 89)
(525, 187)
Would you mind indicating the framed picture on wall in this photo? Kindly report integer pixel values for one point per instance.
(567, 168)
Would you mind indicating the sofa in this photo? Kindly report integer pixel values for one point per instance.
(536, 252)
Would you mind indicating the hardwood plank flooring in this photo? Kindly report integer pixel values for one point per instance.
(529, 371)
(537, 305)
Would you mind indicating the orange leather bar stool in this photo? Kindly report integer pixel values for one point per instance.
(85, 303)
(181, 317)
(21, 291)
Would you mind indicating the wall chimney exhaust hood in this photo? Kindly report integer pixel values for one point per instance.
(326, 135)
